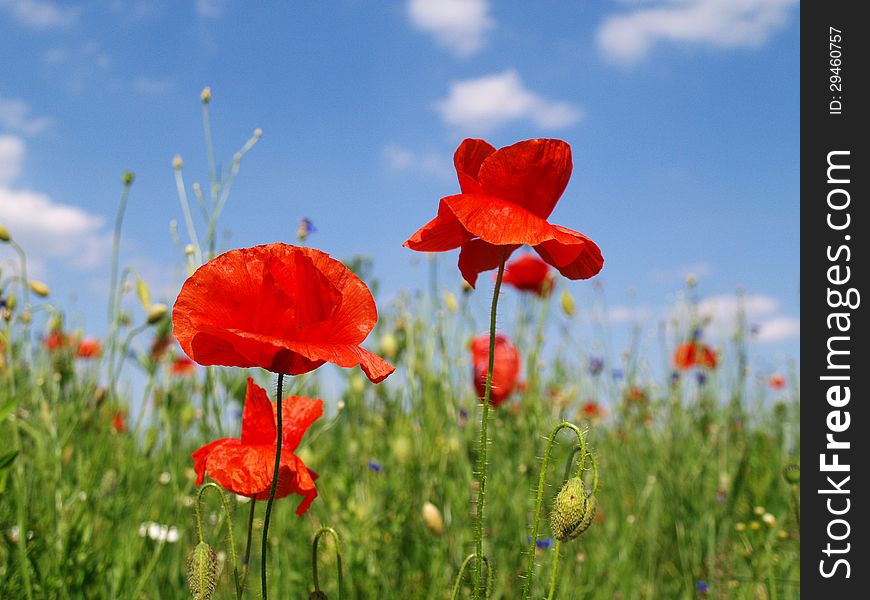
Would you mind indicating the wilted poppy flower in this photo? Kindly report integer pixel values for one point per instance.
(280, 307)
(529, 273)
(245, 466)
(506, 198)
(777, 382)
(182, 366)
(505, 370)
(89, 348)
(694, 354)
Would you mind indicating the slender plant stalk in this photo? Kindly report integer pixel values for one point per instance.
(484, 439)
(114, 292)
(458, 583)
(556, 551)
(280, 420)
(188, 219)
(338, 562)
(20, 496)
(25, 294)
(229, 516)
(246, 557)
(149, 568)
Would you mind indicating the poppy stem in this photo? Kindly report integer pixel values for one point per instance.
(246, 558)
(229, 516)
(458, 582)
(484, 438)
(280, 438)
(334, 534)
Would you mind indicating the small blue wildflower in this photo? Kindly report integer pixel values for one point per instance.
(542, 544)
(702, 587)
(375, 466)
(596, 365)
(696, 333)
(675, 377)
(463, 415)
(702, 378)
(617, 374)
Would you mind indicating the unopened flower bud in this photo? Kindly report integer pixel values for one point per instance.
(38, 288)
(189, 249)
(792, 473)
(568, 306)
(202, 566)
(205, 95)
(258, 133)
(432, 518)
(156, 312)
(450, 302)
(128, 178)
(573, 510)
(177, 162)
(389, 346)
(4, 234)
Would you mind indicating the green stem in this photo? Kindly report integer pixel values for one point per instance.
(278, 441)
(527, 583)
(25, 294)
(458, 583)
(188, 219)
(209, 149)
(114, 292)
(229, 517)
(246, 558)
(335, 537)
(484, 439)
(556, 550)
(146, 574)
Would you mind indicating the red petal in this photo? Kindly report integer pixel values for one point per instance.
(200, 457)
(529, 273)
(572, 253)
(345, 355)
(242, 469)
(531, 174)
(442, 233)
(293, 478)
(258, 418)
(478, 256)
(498, 221)
(468, 157)
(299, 413)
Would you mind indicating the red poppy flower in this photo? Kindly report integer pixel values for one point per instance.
(279, 307)
(777, 382)
(505, 370)
(119, 423)
(56, 341)
(245, 466)
(593, 411)
(182, 366)
(692, 354)
(506, 198)
(89, 348)
(529, 273)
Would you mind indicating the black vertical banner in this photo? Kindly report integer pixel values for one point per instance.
(835, 420)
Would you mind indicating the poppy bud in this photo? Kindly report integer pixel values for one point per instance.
(39, 288)
(258, 133)
(11, 301)
(792, 474)
(568, 306)
(128, 178)
(205, 95)
(573, 510)
(177, 162)
(156, 313)
(450, 302)
(143, 293)
(432, 518)
(4, 234)
(189, 249)
(202, 572)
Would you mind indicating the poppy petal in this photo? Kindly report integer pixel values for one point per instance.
(468, 157)
(572, 253)
(498, 221)
(442, 233)
(344, 355)
(200, 458)
(299, 413)
(242, 469)
(258, 418)
(478, 256)
(531, 174)
(293, 478)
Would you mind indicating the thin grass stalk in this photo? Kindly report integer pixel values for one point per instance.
(114, 290)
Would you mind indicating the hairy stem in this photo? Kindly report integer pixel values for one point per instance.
(337, 540)
(280, 420)
(229, 517)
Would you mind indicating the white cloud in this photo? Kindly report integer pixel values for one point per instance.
(629, 37)
(15, 115)
(40, 14)
(400, 158)
(211, 9)
(46, 229)
(779, 329)
(11, 157)
(458, 25)
(629, 314)
(483, 104)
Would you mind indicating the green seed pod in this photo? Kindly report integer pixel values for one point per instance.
(573, 510)
(792, 474)
(202, 566)
(318, 595)
(4, 234)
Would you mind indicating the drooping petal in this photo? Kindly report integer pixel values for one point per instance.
(242, 469)
(468, 157)
(572, 253)
(478, 256)
(343, 355)
(258, 418)
(293, 478)
(442, 233)
(299, 413)
(531, 174)
(200, 457)
(498, 221)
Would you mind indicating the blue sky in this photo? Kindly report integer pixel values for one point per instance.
(683, 116)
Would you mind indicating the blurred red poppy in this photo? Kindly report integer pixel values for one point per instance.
(529, 273)
(182, 366)
(593, 411)
(777, 382)
(245, 466)
(694, 354)
(57, 340)
(506, 197)
(119, 423)
(89, 348)
(505, 370)
(280, 307)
